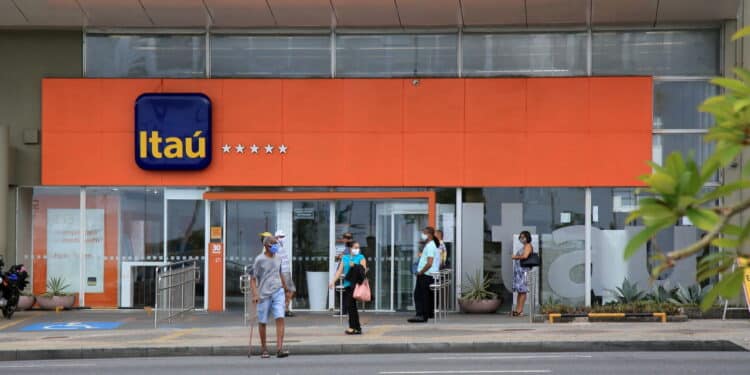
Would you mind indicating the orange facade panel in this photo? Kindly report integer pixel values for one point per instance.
(364, 132)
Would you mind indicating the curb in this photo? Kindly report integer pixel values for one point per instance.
(442, 347)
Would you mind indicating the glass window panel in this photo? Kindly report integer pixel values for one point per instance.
(610, 235)
(665, 144)
(270, 56)
(56, 226)
(246, 220)
(676, 104)
(397, 55)
(551, 54)
(556, 215)
(145, 55)
(311, 242)
(694, 53)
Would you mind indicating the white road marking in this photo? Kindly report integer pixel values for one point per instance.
(466, 372)
(474, 357)
(51, 365)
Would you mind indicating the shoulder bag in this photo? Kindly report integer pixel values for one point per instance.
(533, 260)
(362, 291)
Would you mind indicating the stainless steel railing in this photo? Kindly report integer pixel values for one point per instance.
(250, 313)
(175, 290)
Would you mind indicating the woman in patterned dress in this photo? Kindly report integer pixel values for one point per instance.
(519, 273)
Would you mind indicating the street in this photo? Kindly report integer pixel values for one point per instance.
(408, 364)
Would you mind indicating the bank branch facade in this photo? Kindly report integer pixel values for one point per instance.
(177, 144)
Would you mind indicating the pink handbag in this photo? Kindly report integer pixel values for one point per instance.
(362, 291)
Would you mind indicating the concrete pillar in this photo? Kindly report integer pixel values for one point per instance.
(4, 170)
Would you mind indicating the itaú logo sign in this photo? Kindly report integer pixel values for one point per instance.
(173, 131)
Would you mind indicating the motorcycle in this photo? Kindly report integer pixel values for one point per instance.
(11, 285)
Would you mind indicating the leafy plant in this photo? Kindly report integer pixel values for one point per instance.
(691, 296)
(676, 191)
(661, 294)
(56, 286)
(628, 292)
(477, 288)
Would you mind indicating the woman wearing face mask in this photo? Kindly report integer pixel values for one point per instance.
(429, 263)
(519, 273)
(347, 262)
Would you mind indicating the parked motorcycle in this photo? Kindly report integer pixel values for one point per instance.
(12, 283)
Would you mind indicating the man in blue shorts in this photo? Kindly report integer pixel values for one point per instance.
(269, 289)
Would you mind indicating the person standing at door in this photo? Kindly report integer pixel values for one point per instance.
(429, 262)
(519, 272)
(268, 288)
(286, 271)
(347, 263)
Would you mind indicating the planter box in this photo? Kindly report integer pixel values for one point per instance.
(25, 302)
(485, 306)
(51, 303)
(694, 312)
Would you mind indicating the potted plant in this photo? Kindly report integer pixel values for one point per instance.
(476, 297)
(25, 301)
(56, 295)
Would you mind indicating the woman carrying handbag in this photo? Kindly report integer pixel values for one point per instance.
(348, 261)
(521, 265)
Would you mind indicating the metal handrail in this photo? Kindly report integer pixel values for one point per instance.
(175, 290)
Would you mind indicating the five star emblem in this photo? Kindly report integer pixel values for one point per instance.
(253, 149)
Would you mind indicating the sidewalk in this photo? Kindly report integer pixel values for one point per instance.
(310, 333)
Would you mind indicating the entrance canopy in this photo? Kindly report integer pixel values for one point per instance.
(358, 13)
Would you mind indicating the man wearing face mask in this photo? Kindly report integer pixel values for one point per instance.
(428, 263)
(268, 288)
(286, 270)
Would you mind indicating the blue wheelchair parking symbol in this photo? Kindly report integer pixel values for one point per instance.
(71, 326)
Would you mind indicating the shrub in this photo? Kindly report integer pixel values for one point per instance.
(477, 288)
(691, 296)
(638, 307)
(661, 294)
(628, 292)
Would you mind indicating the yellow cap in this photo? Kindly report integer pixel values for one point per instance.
(265, 234)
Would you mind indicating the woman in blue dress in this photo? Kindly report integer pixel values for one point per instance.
(519, 273)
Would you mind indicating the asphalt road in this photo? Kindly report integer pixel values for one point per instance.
(407, 364)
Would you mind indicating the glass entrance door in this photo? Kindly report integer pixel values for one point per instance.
(398, 242)
(185, 232)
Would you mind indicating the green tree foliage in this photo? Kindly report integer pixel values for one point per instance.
(675, 190)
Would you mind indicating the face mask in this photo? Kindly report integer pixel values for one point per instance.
(355, 251)
(424, 237)
(522, 240)
(281, 241)
(274, 248)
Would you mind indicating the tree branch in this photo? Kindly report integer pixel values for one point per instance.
(727, 215)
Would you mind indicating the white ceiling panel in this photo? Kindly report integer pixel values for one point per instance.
(120, 13)
(556, 12)
(428, 12)
(240, 13)
(494, 12)
(671, 11)
(52, 12)
(177, 13)
(366, 13)
(301, 13)
(9, 14)
(611, 12)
